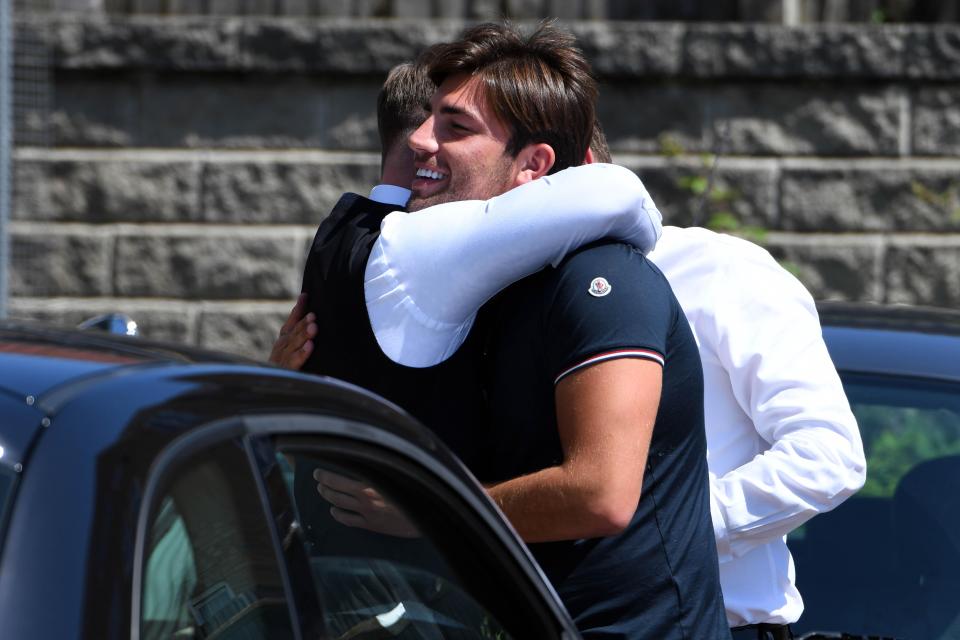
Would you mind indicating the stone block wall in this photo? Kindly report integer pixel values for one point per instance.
(192, 158)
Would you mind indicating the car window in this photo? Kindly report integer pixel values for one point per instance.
(887, 561)
(381, 573)
(210, 568)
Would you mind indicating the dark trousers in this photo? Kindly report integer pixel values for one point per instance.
(762, 632)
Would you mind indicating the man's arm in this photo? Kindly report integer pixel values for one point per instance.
(605, 417)
(431, 270)
(768, 339)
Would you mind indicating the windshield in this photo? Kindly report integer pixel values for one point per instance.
(887, 561)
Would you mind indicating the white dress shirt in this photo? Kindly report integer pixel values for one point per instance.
(430, 270)
(782, 442)
(390, 194)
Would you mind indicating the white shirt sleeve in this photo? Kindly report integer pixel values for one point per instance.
(765, 331)
(430, 271)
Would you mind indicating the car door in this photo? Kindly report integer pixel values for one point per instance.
(887, 561)
(236, 541)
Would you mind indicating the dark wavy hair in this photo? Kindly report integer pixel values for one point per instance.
(540, 86)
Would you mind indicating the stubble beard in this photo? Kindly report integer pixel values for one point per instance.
(492, 185)
(447, 195)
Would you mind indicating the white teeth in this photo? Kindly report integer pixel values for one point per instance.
(427, 173)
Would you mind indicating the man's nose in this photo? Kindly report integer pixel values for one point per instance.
(422, 139)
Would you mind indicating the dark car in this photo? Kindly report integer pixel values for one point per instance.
(150, 492)
(886, 563)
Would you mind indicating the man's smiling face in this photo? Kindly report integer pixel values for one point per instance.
(460, 150)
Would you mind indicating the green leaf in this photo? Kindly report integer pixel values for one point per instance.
(757, 235)
(699, 184)
(669, 146)
(723, 221)
(718, 194)
(694, 184)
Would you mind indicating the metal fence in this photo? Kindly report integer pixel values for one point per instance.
(25, 99)
(6, 144)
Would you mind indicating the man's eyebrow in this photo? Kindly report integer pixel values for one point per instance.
(452, 110)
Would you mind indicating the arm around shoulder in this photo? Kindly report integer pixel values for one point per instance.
(435, 268)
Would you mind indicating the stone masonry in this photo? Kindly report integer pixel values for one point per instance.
(193, 158)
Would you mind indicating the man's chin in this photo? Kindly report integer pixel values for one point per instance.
(416, 203)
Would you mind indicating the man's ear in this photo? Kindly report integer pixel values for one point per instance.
(588, 157)
(534, 161)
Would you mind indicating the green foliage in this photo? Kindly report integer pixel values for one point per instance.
(670, 147)
(714, 201)
(792, 267)
(727, 222)
(694, 184)
(896, 439)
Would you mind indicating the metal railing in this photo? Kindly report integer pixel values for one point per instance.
(25, 100)
(6, 146)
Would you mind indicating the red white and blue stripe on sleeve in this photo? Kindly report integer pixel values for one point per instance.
(613, 354)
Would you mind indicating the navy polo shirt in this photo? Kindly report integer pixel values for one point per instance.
(659, 578)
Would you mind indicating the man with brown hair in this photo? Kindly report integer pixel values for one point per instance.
(573, 475)
(592, 375)
(341, 274)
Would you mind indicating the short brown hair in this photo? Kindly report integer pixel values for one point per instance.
(599, 146)
(401, 103)
(540, 85)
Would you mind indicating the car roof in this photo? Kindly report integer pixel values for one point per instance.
(35, 358)
(51, 373)
(893, 339)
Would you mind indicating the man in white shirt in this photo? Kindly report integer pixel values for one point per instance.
(782, 442)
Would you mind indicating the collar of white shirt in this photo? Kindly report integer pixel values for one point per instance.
(390, 194)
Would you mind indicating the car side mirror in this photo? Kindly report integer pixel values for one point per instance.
(115, 323)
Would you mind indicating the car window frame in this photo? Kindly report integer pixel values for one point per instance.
(258, 431)
(163, 469)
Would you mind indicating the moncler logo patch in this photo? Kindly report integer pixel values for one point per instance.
(599, 287)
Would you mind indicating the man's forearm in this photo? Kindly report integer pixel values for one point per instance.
(552, 505)
(814, 469)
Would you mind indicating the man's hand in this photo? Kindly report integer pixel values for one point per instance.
(295, 342)
(356, 504)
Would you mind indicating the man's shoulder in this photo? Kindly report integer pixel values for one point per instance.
(620, 261)
(607, 280)
(702, 246)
